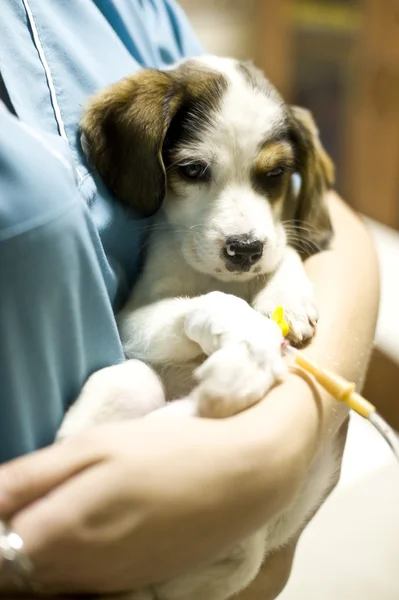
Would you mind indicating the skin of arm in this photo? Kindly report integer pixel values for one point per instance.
(346, 282)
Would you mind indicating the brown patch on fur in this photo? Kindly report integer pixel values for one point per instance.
(311, 161)
(317, 173)
(126, 126)
(203, 96)
(273, 154)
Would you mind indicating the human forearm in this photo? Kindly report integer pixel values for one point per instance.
(346, 281)
(265, 452)
(347, 289)
(346, 285)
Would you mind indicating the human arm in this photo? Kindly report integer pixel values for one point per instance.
(274, 445)
(346, 284)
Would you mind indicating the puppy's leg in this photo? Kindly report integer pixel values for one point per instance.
(290, 288)
(239, 375)
(125, 391)
(156, 333)
(244, 347)
(246, 360)
(179, 330)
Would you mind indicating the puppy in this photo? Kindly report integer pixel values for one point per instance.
(237, 179)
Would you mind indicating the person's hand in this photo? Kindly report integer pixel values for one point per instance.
(129, 504)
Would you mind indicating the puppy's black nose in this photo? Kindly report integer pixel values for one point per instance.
(243, 250)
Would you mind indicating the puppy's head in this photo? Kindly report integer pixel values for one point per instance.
(212, 142)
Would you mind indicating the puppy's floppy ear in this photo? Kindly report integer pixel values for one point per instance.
(124, 128)
(317, 173)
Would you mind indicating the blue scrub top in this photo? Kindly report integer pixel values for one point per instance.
(68, 252)
(54, 54)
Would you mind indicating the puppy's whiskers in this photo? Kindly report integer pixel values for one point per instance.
(301, 236)
(294, 224)
(302, 244)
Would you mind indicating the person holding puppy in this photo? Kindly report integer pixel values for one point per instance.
(123, 505)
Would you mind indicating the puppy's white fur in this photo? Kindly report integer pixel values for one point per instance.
(204, 329)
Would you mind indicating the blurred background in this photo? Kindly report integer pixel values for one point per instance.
(339, 58)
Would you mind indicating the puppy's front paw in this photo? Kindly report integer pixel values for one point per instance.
(302, 320)
(215, 318)
(300, 312)
(240, 373)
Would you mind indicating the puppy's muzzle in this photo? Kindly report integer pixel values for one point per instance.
(241, 252)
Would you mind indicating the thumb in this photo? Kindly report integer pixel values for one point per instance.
(30, 477)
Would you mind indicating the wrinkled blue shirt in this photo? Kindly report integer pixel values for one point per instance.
(68, 252)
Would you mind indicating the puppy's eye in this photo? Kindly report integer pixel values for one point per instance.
(196, 171)
(277, 172)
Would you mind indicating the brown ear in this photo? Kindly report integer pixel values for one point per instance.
(124, 128)
(317, 174)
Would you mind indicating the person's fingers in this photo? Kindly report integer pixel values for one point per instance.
(68, 533)
(26, 479)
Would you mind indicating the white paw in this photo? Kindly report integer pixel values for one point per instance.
(216, 317)
(300, 312)
(302, 320)
(242, 371)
